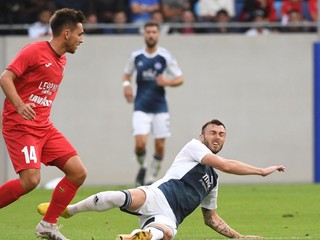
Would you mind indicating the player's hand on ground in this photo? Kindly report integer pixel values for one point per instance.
(271, 169)
(26, 111)
(252, 237)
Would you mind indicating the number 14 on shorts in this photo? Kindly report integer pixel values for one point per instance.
(29, 154)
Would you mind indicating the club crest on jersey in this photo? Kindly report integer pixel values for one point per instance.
(157, 65)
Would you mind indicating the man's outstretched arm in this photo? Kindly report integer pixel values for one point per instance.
(237, 167)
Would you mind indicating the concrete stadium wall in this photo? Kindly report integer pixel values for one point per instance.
(261, 88)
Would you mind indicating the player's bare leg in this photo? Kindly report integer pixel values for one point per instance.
(140, 150)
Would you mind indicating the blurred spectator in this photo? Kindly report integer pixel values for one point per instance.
(32, 8)
(208, 9)
(259, 17)
(249, 7)
(3, 12)
(105, 9)
(287, 6)
(8, 10)
(188, 19)
(24, 11)
(141, 10)
(157, 17)
(120, 19)
(21, 12)
(222, 17)
(174, 9)
(295, 17)
(313, 9)
(194, 6)
(86, 6)
(91, 21)
(41, 27)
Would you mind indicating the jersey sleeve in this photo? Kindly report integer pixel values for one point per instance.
(130, 67)
(197, 150)
(173, 68)
(211, 201)
(24, 60)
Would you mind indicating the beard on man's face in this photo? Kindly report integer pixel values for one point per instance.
(151, 43)
(214, 148)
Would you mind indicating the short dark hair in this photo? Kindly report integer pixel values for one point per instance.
(65, 17)
(151, 24)
(213, 121)
(223, 12)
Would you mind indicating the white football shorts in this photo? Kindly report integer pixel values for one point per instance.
(156, 206)
(156, 123)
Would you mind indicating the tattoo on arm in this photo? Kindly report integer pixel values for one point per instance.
(219, 225)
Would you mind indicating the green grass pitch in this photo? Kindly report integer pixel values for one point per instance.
(274, 211)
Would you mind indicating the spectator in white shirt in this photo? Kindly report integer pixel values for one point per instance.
(208, 9)
(258, 18)
(41, 27)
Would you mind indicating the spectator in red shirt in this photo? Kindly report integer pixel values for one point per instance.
(289, 5)
(313, 9)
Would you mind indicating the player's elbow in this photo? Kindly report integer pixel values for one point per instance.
(181, 81)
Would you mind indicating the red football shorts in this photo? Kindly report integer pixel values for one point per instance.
(28, 148)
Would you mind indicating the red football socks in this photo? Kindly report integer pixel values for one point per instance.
(10, 192)
(61, 197)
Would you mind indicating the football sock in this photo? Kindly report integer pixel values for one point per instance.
(10, 192)
(141, 159)
(62, 195)
(101, 201)
(156, 165)
(157, 233)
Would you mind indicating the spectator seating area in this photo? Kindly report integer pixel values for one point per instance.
(16, 16)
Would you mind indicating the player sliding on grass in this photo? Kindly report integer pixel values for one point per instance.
(190, 181)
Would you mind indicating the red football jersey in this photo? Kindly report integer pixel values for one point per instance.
(39, 70)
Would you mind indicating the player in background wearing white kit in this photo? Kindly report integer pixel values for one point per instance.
(152, 66)
(190, 181)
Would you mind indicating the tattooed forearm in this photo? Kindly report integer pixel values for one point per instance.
(217, 224)
(222, 228)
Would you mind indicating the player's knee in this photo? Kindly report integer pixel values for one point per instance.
(140, 149)
(30, 183)
(81, 177)
(161, 230)
(77, 177)
(29, 179)
(168, 235)
(140, 145)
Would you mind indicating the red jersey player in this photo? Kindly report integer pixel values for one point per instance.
(30, 83)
